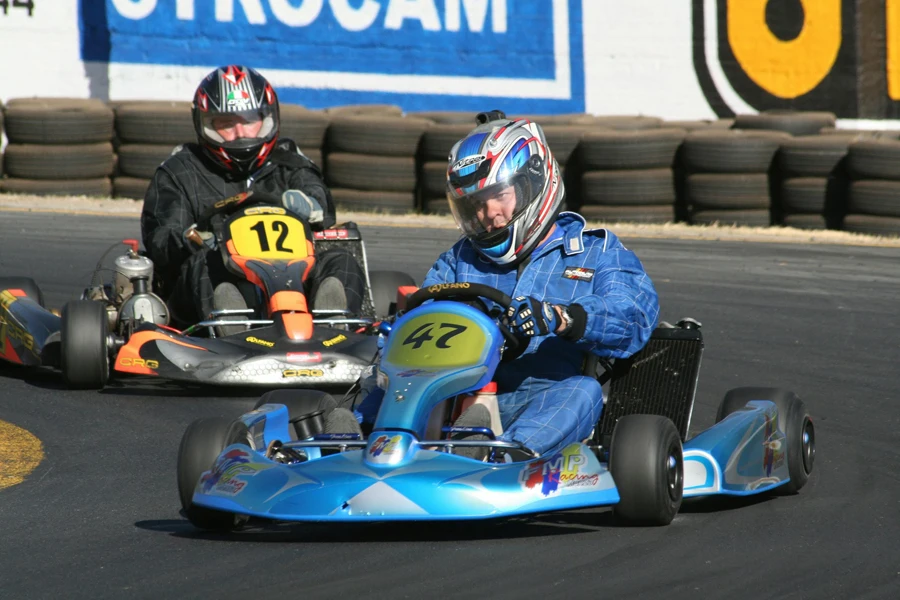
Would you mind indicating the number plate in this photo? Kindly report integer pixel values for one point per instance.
(264, 236)
(437, 340)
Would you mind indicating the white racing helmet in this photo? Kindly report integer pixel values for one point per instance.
(495, 156)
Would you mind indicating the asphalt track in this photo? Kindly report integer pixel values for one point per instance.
(99, 516)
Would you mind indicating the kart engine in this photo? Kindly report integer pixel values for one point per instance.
(131, 288)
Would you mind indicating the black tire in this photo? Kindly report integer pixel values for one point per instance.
(871, 225)
(130, 187)
(813, 155)
(142, 160)
(84, 357)
(874, 159)
(307, 409)
(58, 122)
(372, 173)
(788, 121)
(201, 444)
(636, 187)
(384, 290)
(377, 135)
(26, 284)
(438, 140)
(379, 202)
(647, 464)
(637, 149)
(100, 187)
(433, 179)
(805, 195)
(730, 150)
(804, 221)
(155, 122)
(793, 419)
(75, 161)
(306, 127)
(876, 198)
(737, 218)
(663, 213)
(722, 191)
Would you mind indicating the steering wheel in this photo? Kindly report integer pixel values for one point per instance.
(466, 292)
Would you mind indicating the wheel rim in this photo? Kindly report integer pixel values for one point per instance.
(808, 445)
(674, 475)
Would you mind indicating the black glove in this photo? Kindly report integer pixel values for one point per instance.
(528, 316)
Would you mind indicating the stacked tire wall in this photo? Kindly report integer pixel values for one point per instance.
(773, 168)
(58, 146)
(628, 170)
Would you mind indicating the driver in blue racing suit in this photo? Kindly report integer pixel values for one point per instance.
(574, 290)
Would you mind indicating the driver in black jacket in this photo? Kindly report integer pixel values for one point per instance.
(236, 117)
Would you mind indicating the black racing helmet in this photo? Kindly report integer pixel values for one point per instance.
(229, 104)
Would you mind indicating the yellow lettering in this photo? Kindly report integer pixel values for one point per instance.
(447, 286)
(334, 340)
(127, 361)
(264, 210)
(785, 69)
(255, 340)
(302, 373)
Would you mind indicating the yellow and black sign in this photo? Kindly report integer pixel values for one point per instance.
(841, 56)
(256, 340)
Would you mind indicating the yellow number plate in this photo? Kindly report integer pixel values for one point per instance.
(269, 236)
(437, 340)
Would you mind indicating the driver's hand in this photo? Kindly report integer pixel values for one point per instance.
(528, 316)
(303, 205)
(197, 239)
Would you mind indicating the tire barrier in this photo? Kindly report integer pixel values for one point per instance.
(777, 167)
(374, 153)
(726, 176)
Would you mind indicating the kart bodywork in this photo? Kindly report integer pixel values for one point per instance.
(436, 353)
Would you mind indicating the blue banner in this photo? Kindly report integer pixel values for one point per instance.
(521, 55)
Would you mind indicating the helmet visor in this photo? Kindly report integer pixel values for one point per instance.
(486, 213)
(224, 127)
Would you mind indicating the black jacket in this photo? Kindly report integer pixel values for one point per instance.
(186, 184)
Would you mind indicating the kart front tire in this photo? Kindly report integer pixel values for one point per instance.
(84, 353)
(647, 465)
(384, 290)
(26, 284)
(201, 444)
(793, 419)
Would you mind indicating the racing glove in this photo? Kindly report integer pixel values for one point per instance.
(528, 316)
(198, 240)
(306, 207)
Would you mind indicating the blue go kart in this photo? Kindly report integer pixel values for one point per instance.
(276, 463)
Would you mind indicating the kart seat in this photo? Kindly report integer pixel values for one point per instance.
(660, 379)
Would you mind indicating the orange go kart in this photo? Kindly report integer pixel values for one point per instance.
(123, 326)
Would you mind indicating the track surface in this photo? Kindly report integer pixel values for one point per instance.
(99, 517)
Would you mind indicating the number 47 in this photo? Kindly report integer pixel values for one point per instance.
(6, 4)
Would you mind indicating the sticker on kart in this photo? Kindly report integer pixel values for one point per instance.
(268, 236)
(438, 340)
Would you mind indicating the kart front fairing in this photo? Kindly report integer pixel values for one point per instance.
(257, 357)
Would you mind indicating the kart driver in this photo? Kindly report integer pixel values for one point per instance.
(574, 290)
(236, 118)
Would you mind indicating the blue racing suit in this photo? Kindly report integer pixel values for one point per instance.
(545, 401)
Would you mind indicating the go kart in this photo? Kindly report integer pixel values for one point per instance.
(276, 463)
(123, 326)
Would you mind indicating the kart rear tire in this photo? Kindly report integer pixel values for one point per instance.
(201, 444)
(793, 419)
(84, 352)
(26, 284)
(307, 409)
(384, 290)
(647, 465)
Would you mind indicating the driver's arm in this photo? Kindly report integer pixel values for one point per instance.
(623, 309)
(166, 214)
(443, 270)
(308, 179)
